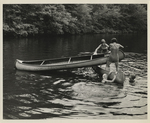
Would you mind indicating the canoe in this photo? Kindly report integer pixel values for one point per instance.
(64, 63)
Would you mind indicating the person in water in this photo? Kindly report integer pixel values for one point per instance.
(131, 78)
(102, 48)
(105, 78)
(114, 56)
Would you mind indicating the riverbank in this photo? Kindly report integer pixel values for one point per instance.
(60, 19)
(38, 35)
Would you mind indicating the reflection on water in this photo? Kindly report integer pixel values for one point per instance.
(76, 93)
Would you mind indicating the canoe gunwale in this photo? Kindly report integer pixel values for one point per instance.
(100, 54)
(67, 60)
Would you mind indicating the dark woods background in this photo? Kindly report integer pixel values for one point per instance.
(24, 20)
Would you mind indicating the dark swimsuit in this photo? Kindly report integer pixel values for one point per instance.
(103, 49)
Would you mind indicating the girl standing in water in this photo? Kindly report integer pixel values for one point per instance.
(114, 56)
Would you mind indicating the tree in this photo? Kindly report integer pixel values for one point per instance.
(49, 19)
(134, 17)
(56, 20)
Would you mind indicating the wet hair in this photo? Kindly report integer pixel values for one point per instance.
(114, 40)
(132, 77)
(103, 41)
(104, 75)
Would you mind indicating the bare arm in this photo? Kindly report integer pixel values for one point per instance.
(95, 52)
(107, 45)
(111, 80)
(121, 46)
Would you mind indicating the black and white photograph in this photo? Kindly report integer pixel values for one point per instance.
(75, 61)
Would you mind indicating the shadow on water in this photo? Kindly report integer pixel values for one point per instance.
(77, 93)
(55, 94)
(35, 92)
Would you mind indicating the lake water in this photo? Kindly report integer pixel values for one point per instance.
(77, 93)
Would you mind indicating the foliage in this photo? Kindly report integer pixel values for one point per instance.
(53, 19)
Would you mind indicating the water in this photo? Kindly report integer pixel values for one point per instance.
(77, 93)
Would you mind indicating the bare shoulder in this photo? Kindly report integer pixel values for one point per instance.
(110, 44)
(118, 44)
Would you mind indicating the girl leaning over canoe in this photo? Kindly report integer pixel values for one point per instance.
(102, 48)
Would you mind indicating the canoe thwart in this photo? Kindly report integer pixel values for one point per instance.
(91, 57)
(69, 60)
(42, 62)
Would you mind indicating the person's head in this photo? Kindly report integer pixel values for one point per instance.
(104, 76)
(132, 77)
(114, 40)
(103, 41)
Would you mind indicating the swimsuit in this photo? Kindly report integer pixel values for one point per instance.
(103, 49)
